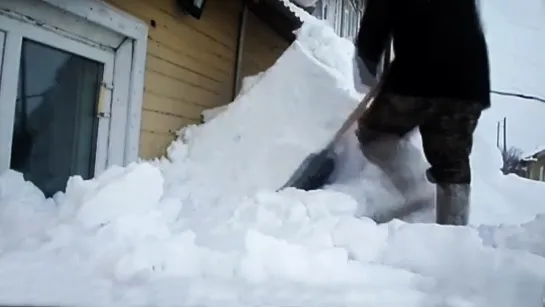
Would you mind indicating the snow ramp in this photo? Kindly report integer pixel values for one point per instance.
(284, 114)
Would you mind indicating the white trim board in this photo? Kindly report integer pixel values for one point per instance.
(100, 25)
(8, 94)
(100, 13)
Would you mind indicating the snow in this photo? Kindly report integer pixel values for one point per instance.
(205, 225)
(306, 3)
(298, 12)
(208, 114)
(529, 155)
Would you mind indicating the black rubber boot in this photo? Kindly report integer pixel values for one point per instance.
(452, 204)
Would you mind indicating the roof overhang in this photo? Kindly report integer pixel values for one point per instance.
(536, 154)
(280, 15)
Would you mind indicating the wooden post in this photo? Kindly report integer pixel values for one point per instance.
(505, 135)
(498, 135)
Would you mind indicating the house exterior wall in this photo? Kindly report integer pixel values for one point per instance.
(261, 46)
(190, 65)
(536, 170)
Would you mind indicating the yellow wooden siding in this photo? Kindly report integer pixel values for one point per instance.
(262, 46)
(190, 65)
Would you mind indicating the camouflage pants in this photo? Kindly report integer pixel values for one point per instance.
(446, 126)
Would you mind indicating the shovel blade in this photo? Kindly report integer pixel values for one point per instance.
(313, 172)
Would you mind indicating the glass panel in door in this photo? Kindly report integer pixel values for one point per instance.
(2, 38)
(55, 126)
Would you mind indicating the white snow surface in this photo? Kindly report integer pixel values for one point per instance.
(204, 226)
(530, 154)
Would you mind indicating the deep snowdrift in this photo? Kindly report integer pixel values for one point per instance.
(205, 227)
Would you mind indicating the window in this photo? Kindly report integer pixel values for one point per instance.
(60, 113)
(55, 124)
(319, 10)
(349, 19)
(345, 19)
(542, 173)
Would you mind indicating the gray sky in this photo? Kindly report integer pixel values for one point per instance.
(515, 33)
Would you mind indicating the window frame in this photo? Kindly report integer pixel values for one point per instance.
(16, 32)
(94, 30)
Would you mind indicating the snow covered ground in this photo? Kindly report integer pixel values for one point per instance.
(205, 227)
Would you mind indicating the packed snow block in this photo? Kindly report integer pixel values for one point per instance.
(117, 192)
(247, 83)
(294, 110)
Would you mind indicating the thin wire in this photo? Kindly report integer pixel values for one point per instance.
(523, 96)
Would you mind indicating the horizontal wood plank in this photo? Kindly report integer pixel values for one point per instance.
(190, 65)
(164, 123)
(153, 144)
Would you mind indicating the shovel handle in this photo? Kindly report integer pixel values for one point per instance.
(361, 108)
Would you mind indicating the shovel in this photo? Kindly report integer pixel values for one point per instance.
(316, 168)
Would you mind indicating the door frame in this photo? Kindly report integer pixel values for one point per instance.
(93, 29)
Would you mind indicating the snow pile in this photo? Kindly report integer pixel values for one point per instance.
(383, 190)
(24, 212)
(208, 114)
(252, 156)
(529, 155)
(287, 248)
(205, 226)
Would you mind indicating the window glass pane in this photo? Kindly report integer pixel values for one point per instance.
(55, 124)
(319, 10)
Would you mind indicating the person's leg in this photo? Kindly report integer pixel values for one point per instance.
(380, 130)
(391, 116)
(448, 140)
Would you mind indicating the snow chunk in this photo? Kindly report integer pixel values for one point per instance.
(114, 194)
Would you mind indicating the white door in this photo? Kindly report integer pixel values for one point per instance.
(55, 100)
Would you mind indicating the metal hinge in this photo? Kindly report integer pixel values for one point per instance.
(102, 110)
(108, 86)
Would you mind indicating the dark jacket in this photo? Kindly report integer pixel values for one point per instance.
(439, 48)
